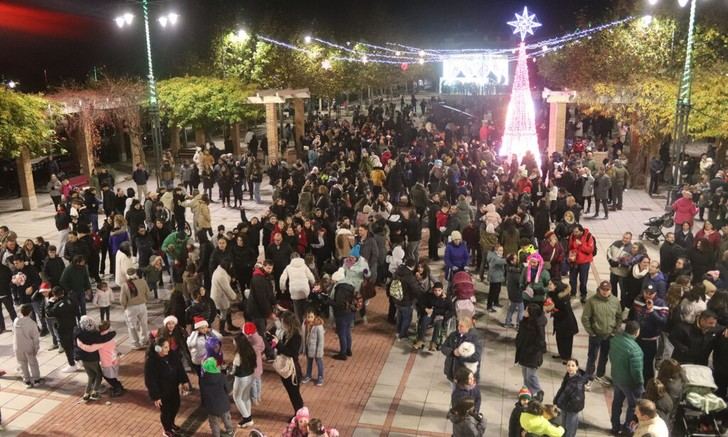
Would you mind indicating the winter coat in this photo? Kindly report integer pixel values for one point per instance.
(107, 351)
(617, 254)
(89, 338)
(75, 279)
(531, 341)
(496, 268)
(570, 396)
(64, 311)
(626, 358)
(658, 282)
(299, 279)
(470, 425)
(26, 339)
(538, 425)
(123, 262)
(602, 184)
(514, 423)
(221, 292)
(539, 286)
(463, 213)
(513, 283)
(456, 257)
(585, 250)
(588, 189)
(565, 323)
(313, 339)
(163, 375)
(369, 250)
(214, 390)
(126, 299)
(466, 392)
(685, 210)
(602, 316)
(651, 324)
(452, 362)
(411, 288)
(196, 345)
(692, 345)
(262, 299)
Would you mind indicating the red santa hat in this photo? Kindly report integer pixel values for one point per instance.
(45, 287)
(249, 328)
(169, 319)
(200, 322)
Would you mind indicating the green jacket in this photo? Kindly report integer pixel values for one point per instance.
(540, 287)
(180, 244)
(627, 361)
(602, 316)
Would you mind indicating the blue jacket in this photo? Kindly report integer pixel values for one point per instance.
(651, 324)
(659, 283)
(456, 256)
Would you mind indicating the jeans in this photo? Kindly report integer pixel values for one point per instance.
(94, 219)
(53, 330)
(404, 320)
(649, 350)
(343, 330)
(600, 346)
(242, 390)
(28, 364)
(622, 392)
(514, 307)
(226, 420)
(256, 191)
(582, 272)
(530, 379)
(413, 250)
(257, 390)
(93, 371)
(570, 422)
(319, 366)
(437, 327)
(8, 302)
(136, 322)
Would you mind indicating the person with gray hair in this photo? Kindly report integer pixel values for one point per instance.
(87, 333)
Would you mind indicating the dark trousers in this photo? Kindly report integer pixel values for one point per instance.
(66, 338)
(617, 283)
(260, 325)
(114, 383)
(564, 344)
(169, 410)
(404, 320)
(598, 346)
(580, 271)
(493, 293)
(649, 350)
(602, 202)
(56, 201)
(432, 243)
(392, 311)
(104, 313)
(8, 302)
(622, 393)
(654, 183)
(79, 299)
(343, 331)
(618, 194)
(294, 392)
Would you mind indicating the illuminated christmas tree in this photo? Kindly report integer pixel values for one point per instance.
(519, 135)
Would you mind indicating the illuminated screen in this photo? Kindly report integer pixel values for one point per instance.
(477, 69)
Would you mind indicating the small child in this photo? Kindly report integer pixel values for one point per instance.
(26, 343)
(153, 274)
(102, 299)
(536, 417)
(514, 424)
(258, 344)
(496, 277)
(109, 359)
(316, 428)
(214, 390)
(465, 420)
(513, 278)
(197, 340)
(313, 346)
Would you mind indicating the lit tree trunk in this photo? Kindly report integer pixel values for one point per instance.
(84, 144)
(174, 139)
(135, 138)
(199, 136)
(235, 137)
(25, 180)
(271, 127)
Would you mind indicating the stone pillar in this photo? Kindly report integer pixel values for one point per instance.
(84, 144)
(174, 139)
(135, 138)
(271, 129)
(557, 126)
(25, 180)
(299, 120)
(199, 136)
(235, 138)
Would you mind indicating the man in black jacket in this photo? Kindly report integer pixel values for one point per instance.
(280, 253)
(434, 241)
(413, 230)
(261, 302)
(695, 342)
(64, 312)
(669, 253)
(411, 291)
(6, 297)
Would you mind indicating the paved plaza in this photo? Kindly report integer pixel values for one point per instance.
(384, 390)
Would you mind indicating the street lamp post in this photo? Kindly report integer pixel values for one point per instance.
(168, 19)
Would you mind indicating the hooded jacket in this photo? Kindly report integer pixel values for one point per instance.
(531, 340)
(313, 338)
(221, 292)
(26, 339)
(299, 278)
(570, 397)
(537, 279)
(214, 390)
(262, 299)
(452, 362)
(412, 290)
(538, 425)
(585, 250)
(565, 323)
(163, 375)
(602, 316)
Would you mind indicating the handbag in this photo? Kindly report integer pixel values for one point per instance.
(284, 367)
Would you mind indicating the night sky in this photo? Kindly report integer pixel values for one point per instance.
(46, 42)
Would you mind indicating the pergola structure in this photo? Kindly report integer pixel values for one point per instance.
(270, 98)
(557, 101)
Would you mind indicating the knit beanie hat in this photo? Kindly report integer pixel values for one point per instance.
(210, 365)
(249, 328)
(524, 393)
(302, 413)
(169, 319)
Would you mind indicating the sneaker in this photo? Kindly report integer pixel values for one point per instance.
(306, 380)
(246, 422)
(432, 347)
(28, 384)
(588, 386)
(348, 353)
(69, 369)
(169, 433)
(86, 397)
(339, 357)
(582, 300)
(497, 305)
(61, 350)
(39, 381)
(94, 397)
(319, 382)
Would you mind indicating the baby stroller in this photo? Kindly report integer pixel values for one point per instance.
(654, 227)
(696, 411)
(463, 292)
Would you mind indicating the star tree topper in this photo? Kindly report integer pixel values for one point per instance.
(524, 23)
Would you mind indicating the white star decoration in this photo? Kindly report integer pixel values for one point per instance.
(524, 24)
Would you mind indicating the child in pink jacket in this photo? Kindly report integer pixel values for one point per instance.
(258, 346)
(109, 359)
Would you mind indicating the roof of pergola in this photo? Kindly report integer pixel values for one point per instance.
(278, 96)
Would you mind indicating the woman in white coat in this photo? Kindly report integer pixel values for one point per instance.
(223, 294)
(122, 263)
(297, 278)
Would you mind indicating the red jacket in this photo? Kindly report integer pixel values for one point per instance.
(585, 250)
(685, 210)
(441, 219)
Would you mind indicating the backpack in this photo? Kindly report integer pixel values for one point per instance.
(396, 291)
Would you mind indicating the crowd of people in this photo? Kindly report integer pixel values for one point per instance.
(346, 222)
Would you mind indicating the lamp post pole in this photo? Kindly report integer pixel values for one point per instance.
(682, 112)
(153, 101)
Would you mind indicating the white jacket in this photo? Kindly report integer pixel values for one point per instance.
(26, 339)
(196, 344)
(299, 278)
(122, 264)
(221, 292)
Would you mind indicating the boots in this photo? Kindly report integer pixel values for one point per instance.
(419, 344)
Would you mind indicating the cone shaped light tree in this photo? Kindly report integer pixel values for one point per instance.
(519, 135)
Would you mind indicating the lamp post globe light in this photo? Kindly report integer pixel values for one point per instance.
(169, 19)
(682, 110)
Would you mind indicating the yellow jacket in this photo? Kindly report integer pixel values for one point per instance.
(377, 176)
(539, 425)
